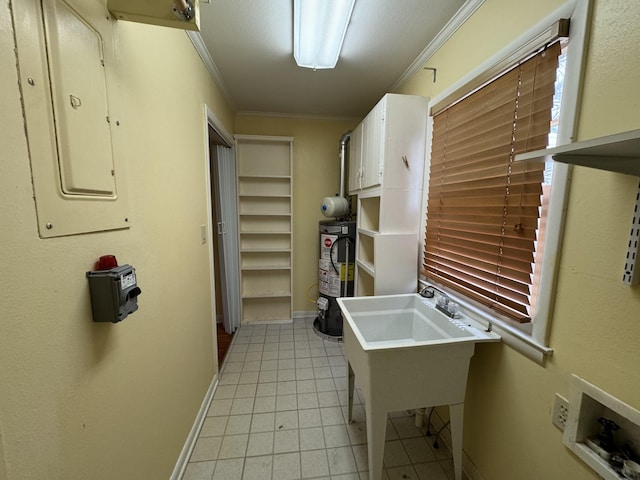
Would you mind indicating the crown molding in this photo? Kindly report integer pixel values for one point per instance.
(460, 17)
(205, 56)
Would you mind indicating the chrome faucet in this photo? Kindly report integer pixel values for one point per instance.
(443, 303)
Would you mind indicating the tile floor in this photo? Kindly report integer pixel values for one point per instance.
(280, 412)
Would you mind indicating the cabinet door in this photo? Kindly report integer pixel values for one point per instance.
(403, 141)
(355, 159)
(372, 146)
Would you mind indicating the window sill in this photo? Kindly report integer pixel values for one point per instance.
(516, 337)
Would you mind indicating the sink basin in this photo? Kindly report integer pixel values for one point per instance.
(406, 354)
(399, 321)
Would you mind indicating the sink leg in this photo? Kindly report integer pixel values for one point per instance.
(456, 414)
(352, 381)
(376, 431)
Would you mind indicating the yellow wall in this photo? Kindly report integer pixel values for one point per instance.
(316, 174)
(80, 400)
(595, 333)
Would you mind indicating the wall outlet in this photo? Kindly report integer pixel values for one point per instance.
(560, 412)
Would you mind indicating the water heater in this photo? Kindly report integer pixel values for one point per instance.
(335, 274)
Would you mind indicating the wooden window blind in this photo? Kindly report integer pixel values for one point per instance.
(483, 208)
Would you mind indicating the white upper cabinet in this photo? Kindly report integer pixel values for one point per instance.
(391, 151)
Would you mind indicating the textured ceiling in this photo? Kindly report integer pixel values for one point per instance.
(250, 43)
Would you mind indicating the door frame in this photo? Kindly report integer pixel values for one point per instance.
(212, 121)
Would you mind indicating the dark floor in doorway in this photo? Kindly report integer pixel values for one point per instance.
(224, 341)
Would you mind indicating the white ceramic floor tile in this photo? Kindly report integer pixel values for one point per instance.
(304, 362)
(331, 416)
(280, 412)
(357, 433)
(286, 388)
(286, 374)
(260, 444)
(213, 426)
(270, 364)
(307, 400)
(286, 402)
(336, 436)
(405, 472)
(251, 366)
(312, 439)
(286, 420)
(237, 424)
(264, 404)
(262, 422)
(242, 406)
(268, 376)
(233, 446)
(206, 448)
(199, 471)
(286, 466)
(341, 460)
(325, 384)
(314, 463)
(286, 441)
(246, 391)
(266, 390)
(230, 469)
(430, 471)
(395, 454)
(360, 453)
(309, 418)
(418, 450)
(258, 468)
(220, 407)
(306, 386)
(225, 391)
(328, 399)
(249, 377)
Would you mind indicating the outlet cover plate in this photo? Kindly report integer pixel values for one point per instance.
(560, 412)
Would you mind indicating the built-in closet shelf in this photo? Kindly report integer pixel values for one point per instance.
(259, 232)
(265, 186)
(367, 267)
(266, 267)
(265, 214)
(267, 295)
(258, 195)
(615, 153)
(368, 233)
(243, 176)
(265, 250)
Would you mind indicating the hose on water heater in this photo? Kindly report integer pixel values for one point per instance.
(341, 237)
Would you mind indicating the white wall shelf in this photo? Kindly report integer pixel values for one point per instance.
(619, 153)
(265, 223)
(615, 153)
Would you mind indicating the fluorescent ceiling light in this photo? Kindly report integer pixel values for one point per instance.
(319, 27)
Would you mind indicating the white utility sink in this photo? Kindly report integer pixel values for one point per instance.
(406, 355)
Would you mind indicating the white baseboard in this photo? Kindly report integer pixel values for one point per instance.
(185, 454)
(305, 315)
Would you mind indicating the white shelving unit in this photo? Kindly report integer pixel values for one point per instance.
(618, 153)
(265, 226)
(615, 153)
(387, 154)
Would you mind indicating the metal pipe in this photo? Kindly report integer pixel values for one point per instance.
(343, 148)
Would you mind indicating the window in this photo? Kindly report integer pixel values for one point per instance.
(483, 208)
(524, 318)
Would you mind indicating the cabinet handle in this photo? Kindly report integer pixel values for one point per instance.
(405, 161)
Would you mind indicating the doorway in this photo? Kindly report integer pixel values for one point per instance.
(224, 268)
